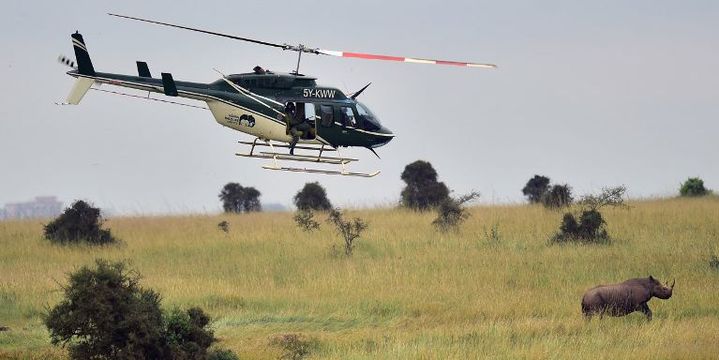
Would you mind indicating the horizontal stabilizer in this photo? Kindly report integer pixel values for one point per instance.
(79, 90)
(143, 70)
(169, 84)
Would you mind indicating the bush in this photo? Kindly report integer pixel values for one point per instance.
(305, 220)
(590, 228)
(350, 230)
(105, 314)
(294, 347)
(535, 188)
(422, 191)
(557, 196)
(79, 223)
(693, 187)
(236, 198)
(493, 236)
(714, 262)
(591, 225)
(187, 333)
(451, 213)
(312, 197)
(224, 226)
(221, 354)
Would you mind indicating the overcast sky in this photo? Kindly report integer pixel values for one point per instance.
(590, 93)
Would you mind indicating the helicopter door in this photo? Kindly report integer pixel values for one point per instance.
(306, 112)
(311, 118)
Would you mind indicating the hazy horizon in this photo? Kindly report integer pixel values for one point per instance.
(588, 94)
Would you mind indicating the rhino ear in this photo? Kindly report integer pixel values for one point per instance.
(651, 278)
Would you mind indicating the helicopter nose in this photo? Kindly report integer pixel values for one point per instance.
(384, 136)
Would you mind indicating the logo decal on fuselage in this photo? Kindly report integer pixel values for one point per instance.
(244, 120)
(319, 93)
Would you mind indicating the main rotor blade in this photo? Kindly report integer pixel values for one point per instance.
(302, 48)
(402, 59)
(284, 47)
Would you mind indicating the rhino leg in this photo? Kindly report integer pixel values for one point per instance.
(644, 308)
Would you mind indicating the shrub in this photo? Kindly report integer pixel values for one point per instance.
(236, 198)
(224, 226)
(305, 220)
(590, 228)
(492, 236)
(221, 354)
(714, 262)
(591, 225)
(557, 196)
(312, 197)
(535, 188)
(79, 223)
(187, 333)
(105, 314)
(693, 187)
(295, 347)
(350, 230)
(422, 191)
(451, 213)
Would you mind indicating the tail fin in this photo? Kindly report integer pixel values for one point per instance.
(84, 65)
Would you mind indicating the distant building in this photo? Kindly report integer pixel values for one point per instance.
(41, 207)
(273, 207)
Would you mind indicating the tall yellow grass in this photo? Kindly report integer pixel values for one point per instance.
(408, 292)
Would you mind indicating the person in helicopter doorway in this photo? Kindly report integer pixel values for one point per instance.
(297, 125)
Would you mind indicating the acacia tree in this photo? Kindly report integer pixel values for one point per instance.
(312, 197)
(236, 198)
(535, 188)
(422, 191)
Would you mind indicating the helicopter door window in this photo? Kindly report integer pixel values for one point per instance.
(327, 115)
(310, 114)
(348, 116)
(300, 111)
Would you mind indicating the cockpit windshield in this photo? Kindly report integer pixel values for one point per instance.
(368, 120)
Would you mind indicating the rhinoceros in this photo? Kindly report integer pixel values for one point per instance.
(624, 298)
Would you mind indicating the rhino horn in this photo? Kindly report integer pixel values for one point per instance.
(673, 282)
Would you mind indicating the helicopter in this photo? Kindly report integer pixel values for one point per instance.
(263, 104)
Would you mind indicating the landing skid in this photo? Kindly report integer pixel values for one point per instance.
(319, 158)
(320, 171)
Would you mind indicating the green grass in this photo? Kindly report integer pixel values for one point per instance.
(408, 292)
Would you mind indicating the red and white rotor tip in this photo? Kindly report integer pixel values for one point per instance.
(403, 59)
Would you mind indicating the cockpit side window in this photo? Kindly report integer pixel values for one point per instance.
(368, 119)
(348, 116)
(327, 115)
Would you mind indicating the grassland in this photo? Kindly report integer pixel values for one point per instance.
(407, 293)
